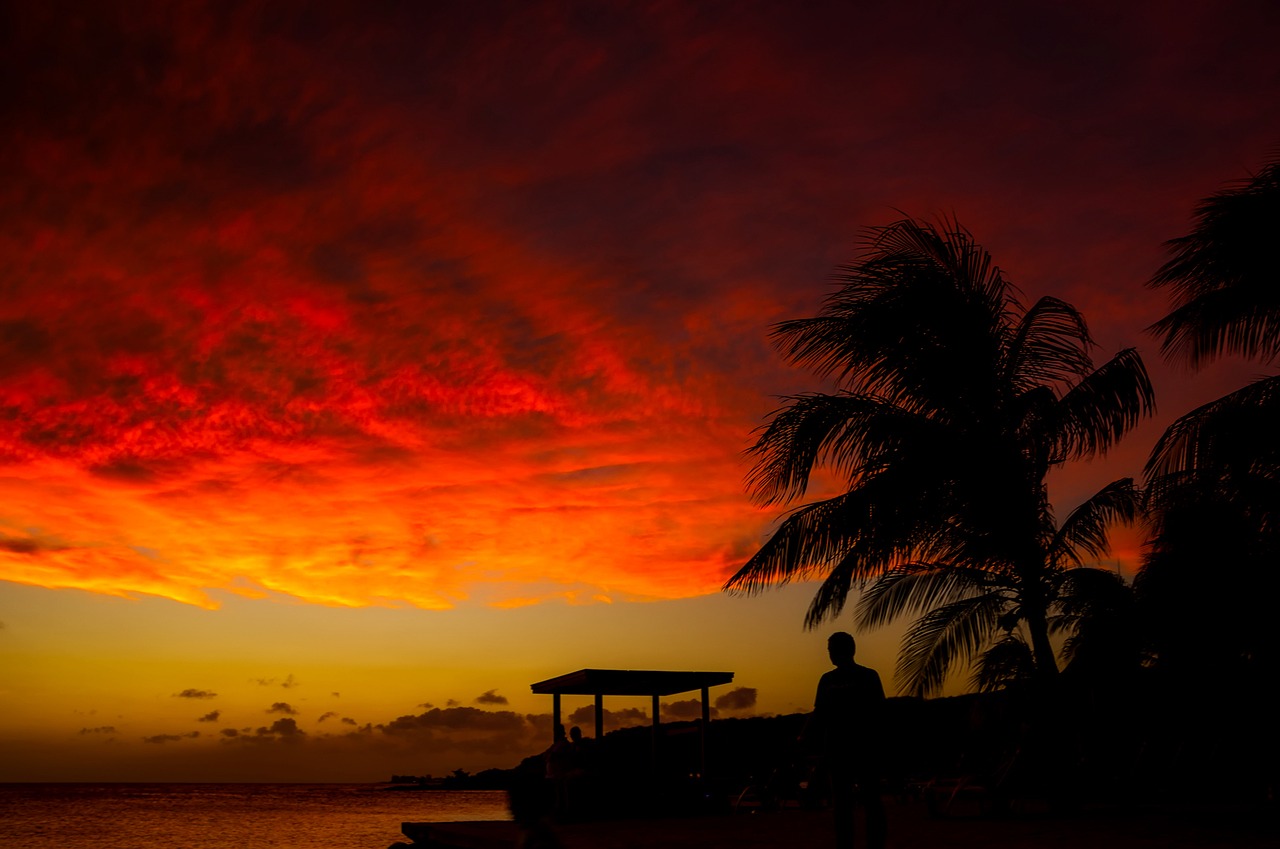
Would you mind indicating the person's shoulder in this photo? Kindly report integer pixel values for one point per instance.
(869, 678)
(828, 677)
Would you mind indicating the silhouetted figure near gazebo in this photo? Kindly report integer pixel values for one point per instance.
(582, 776)
(847, 724)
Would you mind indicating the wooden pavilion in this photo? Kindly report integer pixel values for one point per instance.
(633, 682)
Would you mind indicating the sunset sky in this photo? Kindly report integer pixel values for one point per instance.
(362, 364)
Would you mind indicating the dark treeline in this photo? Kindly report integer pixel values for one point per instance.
(1102, 747)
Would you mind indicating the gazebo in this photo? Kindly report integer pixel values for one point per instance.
(633, 682)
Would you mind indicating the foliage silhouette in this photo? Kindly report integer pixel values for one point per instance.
(953, 402)
(1224, 276)
(1213, 479)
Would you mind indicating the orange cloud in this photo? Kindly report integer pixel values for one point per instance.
(416, 309)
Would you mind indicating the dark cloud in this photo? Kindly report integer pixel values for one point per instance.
(740, 698)
(541, 725)
(346, 720)
(134, 470)
(465, 729)
(19, 545)
(101, 729)
(22, 342)
(585, 717)
(327, 715)
(284, 727)
(171, 738)
(491, 697)
(684, 709)
(426, 705)
(456, 719)
(270, 154)
(193, 693)
(288, 683)
(282, 707)
(211, 716)
(452, 703)
(283, 730)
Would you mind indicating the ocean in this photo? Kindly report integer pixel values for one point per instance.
(227, 816)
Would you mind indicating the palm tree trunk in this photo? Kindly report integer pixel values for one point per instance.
(1041, 648)
(1035, 613)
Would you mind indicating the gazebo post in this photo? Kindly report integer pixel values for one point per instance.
(599, 715)
(555, 715)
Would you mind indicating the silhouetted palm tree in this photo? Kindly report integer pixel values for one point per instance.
(1214, 476)
(954, 401)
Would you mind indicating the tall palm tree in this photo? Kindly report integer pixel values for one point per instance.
(1214, 476)
(953, 402)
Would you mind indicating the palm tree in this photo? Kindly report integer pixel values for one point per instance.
(953, 402)
(1214, 476)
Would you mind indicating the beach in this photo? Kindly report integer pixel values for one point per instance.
(910, 828)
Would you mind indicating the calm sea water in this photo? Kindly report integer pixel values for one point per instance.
(226, 816)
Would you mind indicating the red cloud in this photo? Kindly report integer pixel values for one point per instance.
(416, 308)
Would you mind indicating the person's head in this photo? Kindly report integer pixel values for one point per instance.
(559, 732)
(841, 647)
(575, 734)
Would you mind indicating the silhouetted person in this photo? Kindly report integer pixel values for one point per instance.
(847, 724)
(575, 737)
(581, 773)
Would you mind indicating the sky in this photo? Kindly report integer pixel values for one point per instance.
(362, 364)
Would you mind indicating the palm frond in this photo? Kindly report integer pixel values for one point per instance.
(945, 635)
(1097, 608)
(1236, 431)
(1050, 348)
(913, 323)
(842, 431)
(1216, 323)
(1102, 407)
(833, 592)
(1086, 592)
(918, 587)
(810, 537)
(1010, 661)
(1083, 533)
(1225, 276)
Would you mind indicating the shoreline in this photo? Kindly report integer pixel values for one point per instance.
(910, 827)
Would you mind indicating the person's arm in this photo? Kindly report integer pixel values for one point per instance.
(812, 729)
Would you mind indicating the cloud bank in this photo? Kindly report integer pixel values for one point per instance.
(446, 304)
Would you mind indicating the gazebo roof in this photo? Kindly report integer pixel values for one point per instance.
(629, 682)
